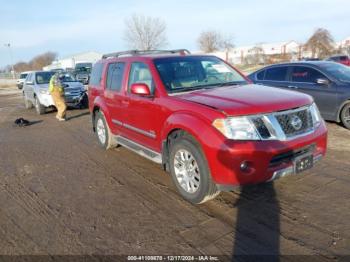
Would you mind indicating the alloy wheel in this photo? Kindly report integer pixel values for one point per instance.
(186, 171)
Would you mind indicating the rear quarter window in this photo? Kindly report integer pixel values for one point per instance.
(96, 74)
(261, 75)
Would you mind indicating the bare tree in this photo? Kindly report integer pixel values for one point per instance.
(227, 45)
(210, 41)
(145, 33)
(321, 43)
(36, 63)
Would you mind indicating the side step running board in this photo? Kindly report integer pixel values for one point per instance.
(139, 149)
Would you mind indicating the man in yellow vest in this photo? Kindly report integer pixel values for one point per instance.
(57, 92)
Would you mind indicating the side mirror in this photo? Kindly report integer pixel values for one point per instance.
(140, 89)
(30, 82)
(322, 81)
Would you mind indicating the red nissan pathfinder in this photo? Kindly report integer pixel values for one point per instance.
(203, 120)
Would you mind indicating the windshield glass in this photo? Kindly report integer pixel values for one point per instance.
(43, 77)
(83, 68)
(23, 76)
(68, 78)
(338, 71)
(181, 74)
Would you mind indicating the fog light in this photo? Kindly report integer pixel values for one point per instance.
(244, 166)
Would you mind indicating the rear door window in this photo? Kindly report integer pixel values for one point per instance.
(305, 74)
(276, 73)
(115, 75)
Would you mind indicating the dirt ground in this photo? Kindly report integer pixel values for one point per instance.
(61, 194)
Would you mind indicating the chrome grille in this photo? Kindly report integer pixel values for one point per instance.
(284, 125)
(295, 123)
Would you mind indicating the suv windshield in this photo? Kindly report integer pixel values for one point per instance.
(83, 68)
(68, 78)
(181, 74)
(339, 71)
(23, 76)
(43, 77)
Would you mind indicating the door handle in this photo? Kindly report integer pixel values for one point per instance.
(125, 102)
(295, 87)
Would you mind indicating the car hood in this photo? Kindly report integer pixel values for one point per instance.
(248, 99)
(73, 85)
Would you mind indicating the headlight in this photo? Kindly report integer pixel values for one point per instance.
(44, 91)
(238, 128)
(316, 116)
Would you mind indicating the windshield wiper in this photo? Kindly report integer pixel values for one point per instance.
(230, 84)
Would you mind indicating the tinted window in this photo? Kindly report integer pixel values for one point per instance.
(260, 75)
(115, 76)
(276, 73)
(343, 58)
(96, 74)
(43, 77)
(140, 73)
(305, 74)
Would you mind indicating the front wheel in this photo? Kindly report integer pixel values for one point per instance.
(345, 116)
(27, 103)
(40, 109)
(190, 172)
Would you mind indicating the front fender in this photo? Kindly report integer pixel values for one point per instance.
(201, 129)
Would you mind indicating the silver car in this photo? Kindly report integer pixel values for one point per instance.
(36, 91)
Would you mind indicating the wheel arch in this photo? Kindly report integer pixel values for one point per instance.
(341, 107)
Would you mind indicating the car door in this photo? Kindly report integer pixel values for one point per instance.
(304, 79)
(275, 76)
(28, 87)
(114, 96)
(141, 121)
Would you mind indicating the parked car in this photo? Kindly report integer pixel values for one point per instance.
(36, 91)
(82, 72)
(327, 82)
(202, 120)
(342, 59)
(21, 79)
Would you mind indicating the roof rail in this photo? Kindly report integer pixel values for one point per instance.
(146, 52)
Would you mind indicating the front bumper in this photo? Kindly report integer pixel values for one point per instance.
(75, 100)
(266, 160)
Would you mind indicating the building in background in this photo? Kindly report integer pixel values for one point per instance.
(69, 62)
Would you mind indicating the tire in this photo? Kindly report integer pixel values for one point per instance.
(27, 104)
(103, 133)
(40, 109)
(197, 186)
(345, 115)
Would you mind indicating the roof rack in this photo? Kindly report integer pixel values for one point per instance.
(146, 52)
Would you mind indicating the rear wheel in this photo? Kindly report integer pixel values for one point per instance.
(40, 109)
(104, 135)
(190, 171)
(345, 116)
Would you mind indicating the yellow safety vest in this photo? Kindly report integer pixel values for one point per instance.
(55, 85)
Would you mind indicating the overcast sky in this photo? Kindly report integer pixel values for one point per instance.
(68, 27)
